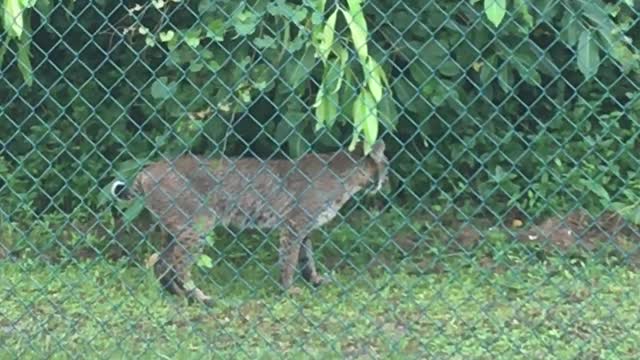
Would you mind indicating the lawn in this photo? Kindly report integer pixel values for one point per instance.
(496, 301)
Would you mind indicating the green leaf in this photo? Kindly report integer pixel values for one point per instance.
(265, 42)
(296, 144)
(420, 73)
(358, 28)
(523, 8)
(287, 126)
(215, 29)
(365, 119)
(167, 36)
(44, 7)
(297, 43)
(24, 62)
(320, 112)
(299, 14)
(525, 62)
(634, 216)
(13, 18)
(571, 30)
(196, 66)
(505, 78)
(382, 75)
(133, 210)
(625, 56)
(388, 111)
(160, 90)
(317, 5)
(433, 54)
(408, 96)
(613, 38)
(316, 18)
(348, 91)
(449, 68)
(3, 49)
(495, 10)
(327, 35)
(359, 112)
(435, 92)
(606, 27)
(374, 81)
(333, 74)
(128, 169)
(327, 110)
(215, 128)
(597, 189)
(192, 38)
(294, 13)
(28, 3)
(432, 57)
(245, 23)
(105, 195)
(487, 73)
(588, 54)
(205, 261)
(158, 4)
(149, 41)
(298, 70)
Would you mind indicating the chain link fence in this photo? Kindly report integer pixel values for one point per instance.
(315, 178)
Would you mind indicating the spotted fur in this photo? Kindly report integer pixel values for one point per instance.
(190, 195)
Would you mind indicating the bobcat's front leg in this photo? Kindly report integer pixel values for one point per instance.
(289, 253)
(173, 267)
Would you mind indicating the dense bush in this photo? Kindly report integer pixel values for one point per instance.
(539, 113)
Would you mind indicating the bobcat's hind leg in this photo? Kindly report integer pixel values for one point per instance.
(173, 267)
(307, 264)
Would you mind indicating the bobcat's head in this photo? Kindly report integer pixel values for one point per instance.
(373, 168)
(379, 167)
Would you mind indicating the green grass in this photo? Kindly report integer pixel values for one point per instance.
(102, 309)
(428, 299)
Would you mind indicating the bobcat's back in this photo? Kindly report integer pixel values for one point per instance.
(253, 193)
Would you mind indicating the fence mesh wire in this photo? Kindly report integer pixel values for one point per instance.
(312, 178)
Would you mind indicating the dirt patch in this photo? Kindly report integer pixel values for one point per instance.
(468, 237)
(582, 231)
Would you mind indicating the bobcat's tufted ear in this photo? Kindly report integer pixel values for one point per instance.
(377, 151)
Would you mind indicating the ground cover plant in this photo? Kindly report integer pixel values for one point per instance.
(493, 297)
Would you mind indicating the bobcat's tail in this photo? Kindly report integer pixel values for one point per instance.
(120, 190)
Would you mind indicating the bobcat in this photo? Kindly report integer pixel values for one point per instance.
(191, 195)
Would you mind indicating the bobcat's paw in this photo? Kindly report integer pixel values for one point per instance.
(152, 260)
(294, 291)
(318, 280)
(199, 296)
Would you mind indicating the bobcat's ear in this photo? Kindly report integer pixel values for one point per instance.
(377, 151)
